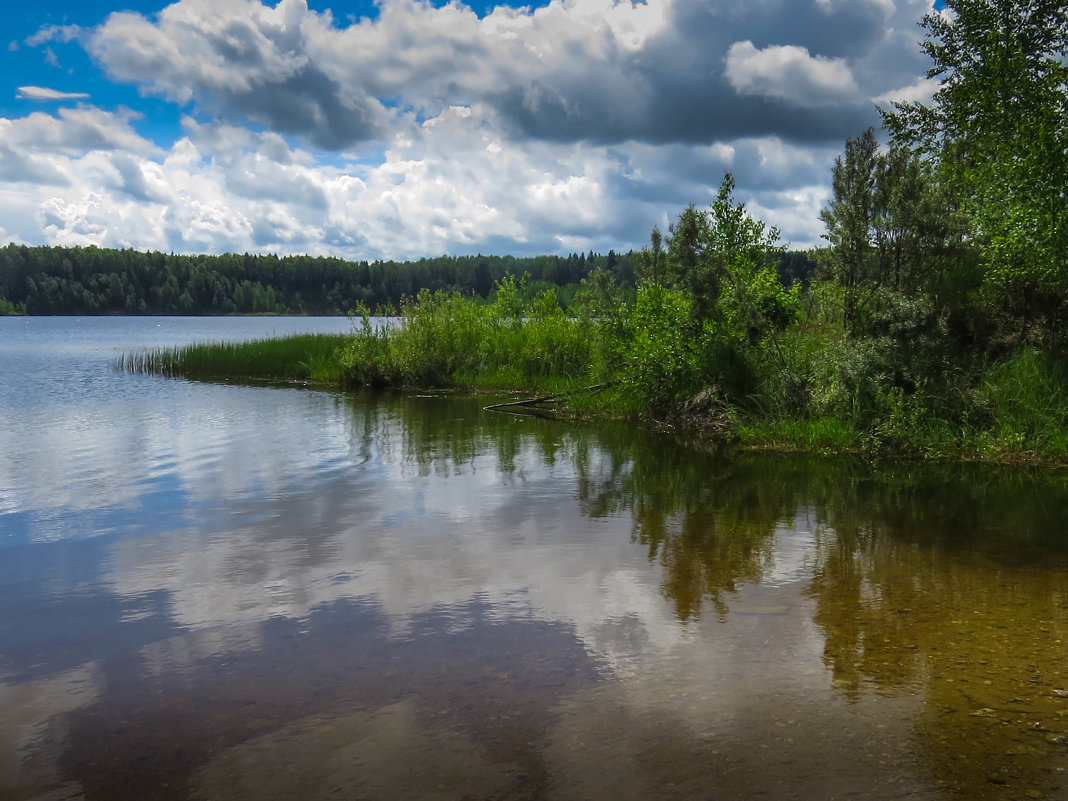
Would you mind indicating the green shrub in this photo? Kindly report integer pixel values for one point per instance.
(660, 356)
(1027, 397)
(366, 358)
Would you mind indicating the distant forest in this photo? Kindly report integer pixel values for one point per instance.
(91, 280)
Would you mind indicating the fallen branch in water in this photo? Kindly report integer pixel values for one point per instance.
(530, 403)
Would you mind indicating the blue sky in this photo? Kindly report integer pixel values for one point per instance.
(69, 68)
(402, 129)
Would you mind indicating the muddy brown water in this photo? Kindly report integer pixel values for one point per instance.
(231, 592)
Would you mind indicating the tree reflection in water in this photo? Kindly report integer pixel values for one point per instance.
(947, 582)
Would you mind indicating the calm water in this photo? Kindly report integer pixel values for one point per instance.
(227, 592)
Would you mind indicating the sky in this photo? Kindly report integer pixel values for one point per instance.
(400, 129)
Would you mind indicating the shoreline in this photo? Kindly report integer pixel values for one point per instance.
(719, 430)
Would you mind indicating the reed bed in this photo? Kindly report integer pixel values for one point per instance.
(1013, 410)
(302, 357)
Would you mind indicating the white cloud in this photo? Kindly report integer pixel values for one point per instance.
(795, 212)
(919, 92)
(18, 166)
(789, 73)
(56, 33)
(886, 7)
(572, 126)
(44, 93)
(452, 184)
(75, 130)
(241, 59)
(597, 70)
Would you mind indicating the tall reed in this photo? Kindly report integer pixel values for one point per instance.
(301, 357)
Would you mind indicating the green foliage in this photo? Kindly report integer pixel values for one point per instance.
(720, 263)
(819, 435)
(997, 128)
(554, 344)
(295, 358)
(365, 359)
(848, 218)
(660, 358)
(603, 312)
(947, 252)
(715, 254)
(508, 301)
(447, 339)
(895, 239)
(755, 306)
(1026, 396)
(437, 333)
(909, 424)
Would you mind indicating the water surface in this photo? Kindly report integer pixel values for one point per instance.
(214, 591)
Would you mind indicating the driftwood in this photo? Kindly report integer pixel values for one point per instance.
(533, 405)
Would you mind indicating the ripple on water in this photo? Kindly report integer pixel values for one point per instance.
(233, 592)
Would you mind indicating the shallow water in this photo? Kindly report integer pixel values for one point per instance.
(211, 591)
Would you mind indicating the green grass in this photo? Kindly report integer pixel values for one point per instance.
(823, 435)
(1027, 397)
(1012, 410)
(302, 357)
(9, 308)
(446, 340)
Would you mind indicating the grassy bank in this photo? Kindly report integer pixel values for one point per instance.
(303, 357)
(798, 393)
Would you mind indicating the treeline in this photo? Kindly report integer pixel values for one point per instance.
(91, 280)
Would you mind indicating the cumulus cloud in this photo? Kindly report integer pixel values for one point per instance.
(44, 93)
(134, 178)
(240, 59)
(20, 167)
(572, 126)
(789, 73)
(450, 184)
(597, 70)
(919, 92)
(74, 130)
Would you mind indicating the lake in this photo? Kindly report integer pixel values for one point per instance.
(218, 591)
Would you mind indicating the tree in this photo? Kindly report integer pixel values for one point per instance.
(998, 128)
(895, 240)
(715, 256)
(720, 267)
(848, 217)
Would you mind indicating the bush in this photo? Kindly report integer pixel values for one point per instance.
(445, 339)
(660, 357)
(1027, 398)
(366, 359)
